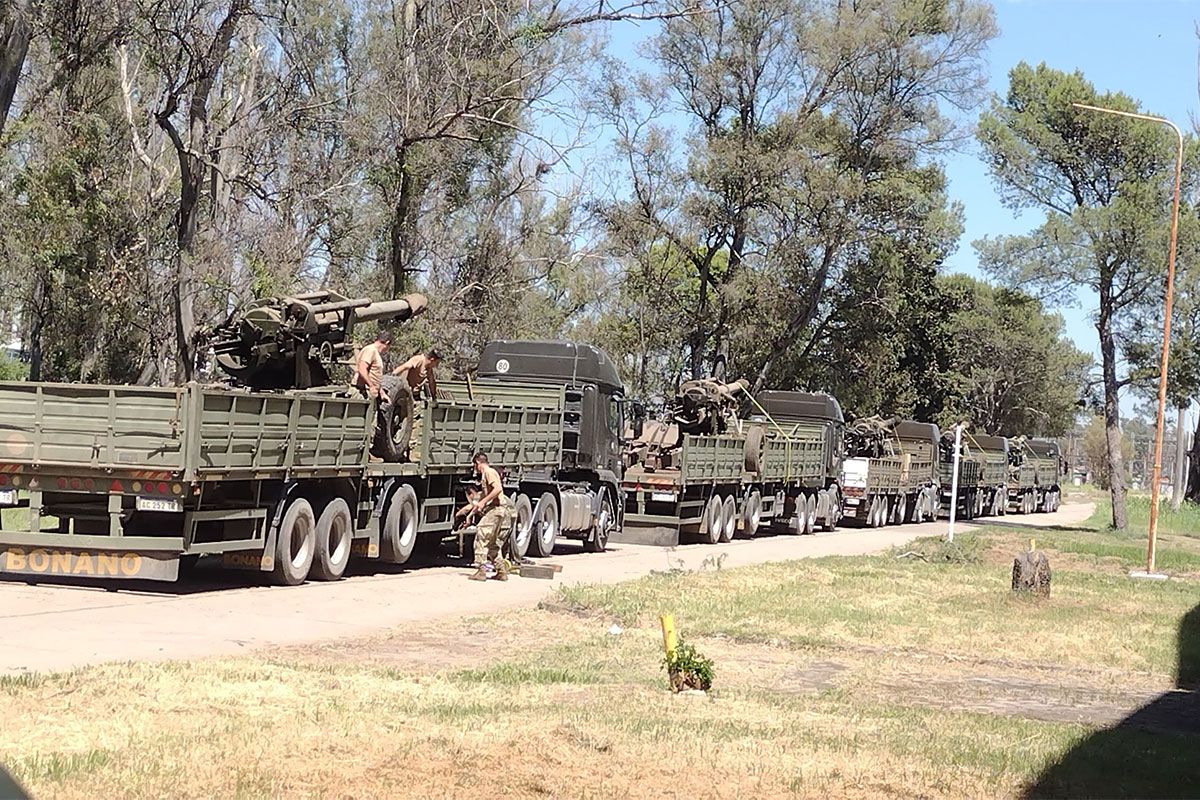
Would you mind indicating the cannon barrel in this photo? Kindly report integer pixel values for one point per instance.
(400, 310)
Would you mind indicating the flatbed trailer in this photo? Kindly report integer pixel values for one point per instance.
(896, 488)
(130, 482)
(780, 471)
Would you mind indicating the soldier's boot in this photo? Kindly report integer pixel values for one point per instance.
(501, 571)
(479, 574)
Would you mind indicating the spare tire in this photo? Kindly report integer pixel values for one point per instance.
(395, 419)
(755, 437)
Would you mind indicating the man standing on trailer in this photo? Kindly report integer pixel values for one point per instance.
(494, 525)
(368, 367)
(418, 371)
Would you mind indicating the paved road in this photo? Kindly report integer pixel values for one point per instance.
(48, 628)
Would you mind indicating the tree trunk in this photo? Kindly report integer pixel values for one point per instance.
(15, 30)
(400, 251)
(1179, 476)
(37, 322)
(1112, 418)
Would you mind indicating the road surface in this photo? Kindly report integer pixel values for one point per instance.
(49, 628)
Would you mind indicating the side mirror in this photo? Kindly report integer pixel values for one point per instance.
(639, 419)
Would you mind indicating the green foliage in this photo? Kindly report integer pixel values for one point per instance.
(1095, 451)
(688, 668)
(13, 370)
(1010, 368)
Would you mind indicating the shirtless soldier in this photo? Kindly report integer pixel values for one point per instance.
(418, 372)
(494, 526)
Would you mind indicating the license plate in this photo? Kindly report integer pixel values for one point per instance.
(8, 497)
(158, 504)
(662, 497)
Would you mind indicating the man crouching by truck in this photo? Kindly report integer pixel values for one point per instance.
(494, 525)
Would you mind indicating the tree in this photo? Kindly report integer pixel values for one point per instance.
(807, 125)
(1012, 370)
(1095, 451)
(1101, 182)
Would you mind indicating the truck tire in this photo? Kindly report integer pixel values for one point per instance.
(755, 437)
(752, 513)
(710, 523)
(901, 515)
(810, 514)
(833, 510)
(728, 518)
(518, 540)
(545, 526)
(399, 534)
(395, 417)
(606, 520)
(335, 536)
(295, 542)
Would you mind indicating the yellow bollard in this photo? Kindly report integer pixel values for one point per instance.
(670, 641)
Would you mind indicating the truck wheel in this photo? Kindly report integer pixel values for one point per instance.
(902, 509)
(752, 513)
(295, 543)
(335, 534)
(395, 419)
(598, 541)
(810, 514)
(728, 518)
(545, 526)
(873, 513)
(399, 534)
(518, 540)
(712, 523)
(833, 510)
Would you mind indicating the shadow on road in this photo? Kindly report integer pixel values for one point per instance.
(1154, 752)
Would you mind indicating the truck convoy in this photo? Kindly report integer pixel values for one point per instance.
(282, 469)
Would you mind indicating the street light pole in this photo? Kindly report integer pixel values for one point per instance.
(1156, 475)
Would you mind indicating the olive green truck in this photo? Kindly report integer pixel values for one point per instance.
(130, 482)
(781, 469)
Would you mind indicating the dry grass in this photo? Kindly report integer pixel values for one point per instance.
(860, 677)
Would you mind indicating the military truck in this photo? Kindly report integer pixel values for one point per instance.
(128, 482)
(890, 474)
(780, 467)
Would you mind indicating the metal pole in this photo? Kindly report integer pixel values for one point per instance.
(1178, 476)
(1156, 474)
(958, 429)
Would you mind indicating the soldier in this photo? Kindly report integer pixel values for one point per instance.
(418, 371)
(368, 368)
(494, 525)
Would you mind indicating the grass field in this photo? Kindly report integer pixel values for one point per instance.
(850, 677)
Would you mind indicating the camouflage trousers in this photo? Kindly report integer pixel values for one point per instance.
(493, 531)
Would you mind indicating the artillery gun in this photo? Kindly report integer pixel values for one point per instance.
(871, 437)
(701, 407)
(296, 342)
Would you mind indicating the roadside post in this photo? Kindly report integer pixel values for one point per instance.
(670, 639)
(958, 431)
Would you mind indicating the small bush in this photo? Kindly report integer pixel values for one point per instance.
(688, 669)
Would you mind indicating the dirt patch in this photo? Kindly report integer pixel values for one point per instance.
(452, 644)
